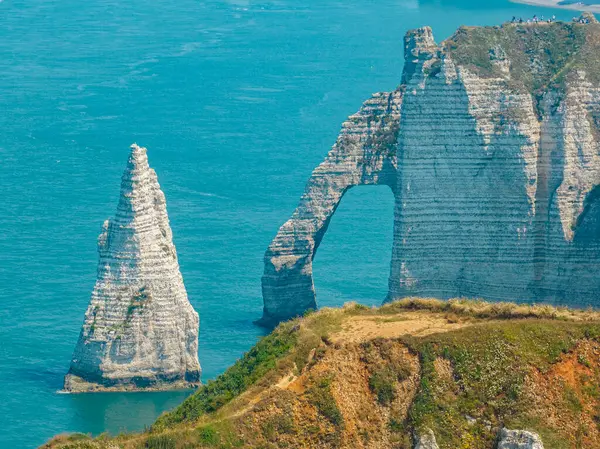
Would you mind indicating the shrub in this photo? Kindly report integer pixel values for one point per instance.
(320, 395)
(208, 435)
(261, 359)
(160, 442)
(382, 383)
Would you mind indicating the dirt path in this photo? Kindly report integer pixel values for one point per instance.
(363, 328)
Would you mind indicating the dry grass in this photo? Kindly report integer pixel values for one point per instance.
(491, 310)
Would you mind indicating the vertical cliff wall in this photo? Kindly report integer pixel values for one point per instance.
(467, 153)
(140, 331)
(494, 141)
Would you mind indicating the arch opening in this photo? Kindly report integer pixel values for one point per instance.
(353, 259)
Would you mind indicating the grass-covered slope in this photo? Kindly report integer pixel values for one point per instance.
(369, 377)
(540, 55)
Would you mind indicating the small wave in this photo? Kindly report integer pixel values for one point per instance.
(205, 194)
(187, 48)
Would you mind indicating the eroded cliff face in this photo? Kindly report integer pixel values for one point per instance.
(140, 331)
(364, 154)
(492, 150)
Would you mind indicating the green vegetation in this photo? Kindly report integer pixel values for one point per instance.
(583, 360)
(161, 442)
(490, 363)
(208, 435)
(320, 395)
(466, 382)
(138, 301)
(257, 362)
(387, 369)
(277, 425)
(383, 383)
(540, 55)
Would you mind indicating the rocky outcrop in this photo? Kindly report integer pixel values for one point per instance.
(507, 439)
(491, 147)
(425, 440)
(519, 439)
(140, 331)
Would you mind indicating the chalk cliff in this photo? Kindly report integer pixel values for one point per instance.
(491, 147)
(140, 331)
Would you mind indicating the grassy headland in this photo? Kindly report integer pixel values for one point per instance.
(368, 377)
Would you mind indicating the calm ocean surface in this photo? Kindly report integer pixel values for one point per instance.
(237, 102)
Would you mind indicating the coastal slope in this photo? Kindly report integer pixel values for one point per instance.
(139, 331)
(413, 373)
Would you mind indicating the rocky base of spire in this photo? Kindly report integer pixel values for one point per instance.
(75, 384)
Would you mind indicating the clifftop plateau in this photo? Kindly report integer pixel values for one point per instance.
(415, 373)
(491, 147)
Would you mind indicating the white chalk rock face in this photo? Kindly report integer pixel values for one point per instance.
(364, 154)
(494, 163)
(519, 439)
(140, 331)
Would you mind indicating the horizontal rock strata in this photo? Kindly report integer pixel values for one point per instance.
(491, 146)
(140, 331)
(363, 154)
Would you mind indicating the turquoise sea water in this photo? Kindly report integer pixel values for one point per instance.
(237, 101)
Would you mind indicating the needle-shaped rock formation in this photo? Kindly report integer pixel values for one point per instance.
(491, 147)
(140, 331)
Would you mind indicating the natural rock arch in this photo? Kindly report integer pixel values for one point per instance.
(364, 154)
(494, 182)
(353, 260)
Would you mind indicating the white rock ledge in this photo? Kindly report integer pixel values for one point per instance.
(519, 439)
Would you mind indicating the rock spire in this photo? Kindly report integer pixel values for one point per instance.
(139, 331)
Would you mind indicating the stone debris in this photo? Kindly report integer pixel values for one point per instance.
(426, 440)
(519, 439)
(140, 331)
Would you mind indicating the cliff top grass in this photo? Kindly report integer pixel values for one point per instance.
(541, 55)
(344, 377)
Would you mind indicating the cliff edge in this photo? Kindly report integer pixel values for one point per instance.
(140, 331)
(416, 373)
(491, 147)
